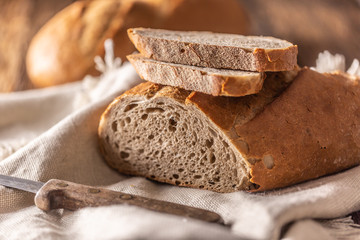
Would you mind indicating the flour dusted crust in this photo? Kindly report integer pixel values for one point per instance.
(215, 50)
(217, 82)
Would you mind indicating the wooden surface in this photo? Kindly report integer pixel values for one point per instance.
(314, 26)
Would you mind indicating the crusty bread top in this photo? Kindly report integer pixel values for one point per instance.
(217, 82)
(216, 50)
(311, 129)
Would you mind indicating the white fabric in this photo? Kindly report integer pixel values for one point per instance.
(52, 133)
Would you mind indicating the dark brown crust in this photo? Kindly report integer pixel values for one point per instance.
(205, 55)
(311, 130)
(276, 59)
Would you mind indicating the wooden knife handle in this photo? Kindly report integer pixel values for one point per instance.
(57, 194)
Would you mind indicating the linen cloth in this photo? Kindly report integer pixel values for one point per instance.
(52, 133)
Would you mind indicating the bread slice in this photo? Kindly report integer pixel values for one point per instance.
(215, 50)
(217, 82)
(167, 134)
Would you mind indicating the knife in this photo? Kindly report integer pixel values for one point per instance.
(56, 194)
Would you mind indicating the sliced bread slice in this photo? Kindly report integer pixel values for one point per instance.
(215, 50)
(217, 82)
(180, 137)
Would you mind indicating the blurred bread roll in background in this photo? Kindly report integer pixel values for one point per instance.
(64, 48)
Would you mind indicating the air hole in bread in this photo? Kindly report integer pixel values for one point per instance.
(233, 156)
(124, 155)
(181, 170)
(154, 110)
(192, 155)
(128, 120)
(212, 132)
(177, 182)
(107, 138)
(226, 145)
(182, 50)
(114, 126)
(144, 116)
(141, 151)
(212, 158)
(151, 137)
(173, 124)
(130, 107)
(197, 176)
(235, 172)
(209, 143)
(175, 176)
(116, 145)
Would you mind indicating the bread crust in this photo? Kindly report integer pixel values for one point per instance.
(214, 56)
(311, 130)
(210, 81)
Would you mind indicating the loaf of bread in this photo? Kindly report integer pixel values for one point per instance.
(257, 142)
(215, 50)
(185, 138)
(217, 82)
(76, 34)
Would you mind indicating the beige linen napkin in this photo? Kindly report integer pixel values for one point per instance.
(52, 133)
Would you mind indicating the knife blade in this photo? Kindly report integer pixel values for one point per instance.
(56, 194)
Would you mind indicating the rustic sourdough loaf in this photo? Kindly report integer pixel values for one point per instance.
(226, 144)
(215, 50)
(217, 82)
(172, 135)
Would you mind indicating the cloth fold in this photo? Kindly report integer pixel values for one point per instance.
(56, 129)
